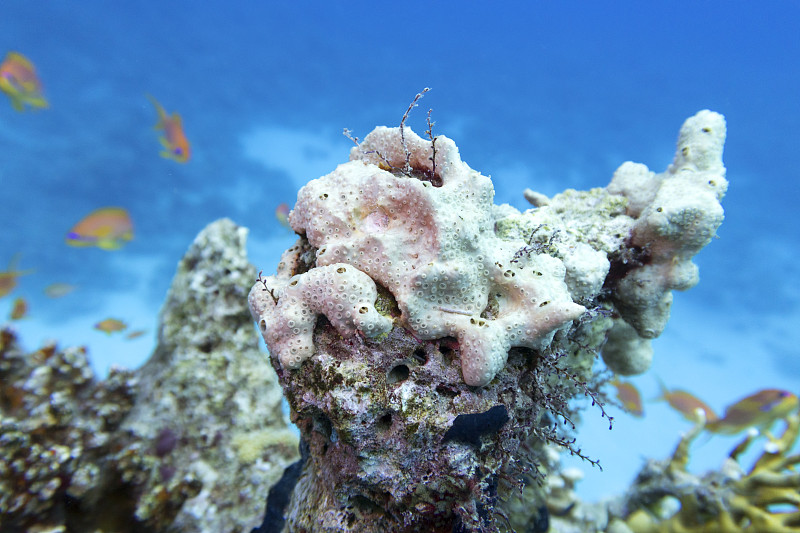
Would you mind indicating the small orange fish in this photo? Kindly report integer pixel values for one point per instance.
(135, 334)
(19, 81)
(629, 396)
(107, 228)
(58, 290)
(686, 404)
(758, 410)
(110, 325)
(282, 214)
(8, 279)
(19, 309)
(174, 141)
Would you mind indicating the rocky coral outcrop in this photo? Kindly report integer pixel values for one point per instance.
(483, 318)
(191, 441)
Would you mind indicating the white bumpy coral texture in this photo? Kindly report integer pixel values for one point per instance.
(433, 247)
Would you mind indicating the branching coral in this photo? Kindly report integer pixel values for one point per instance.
(763, 499)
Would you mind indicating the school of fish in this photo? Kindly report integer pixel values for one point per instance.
(106, 228)
(759, 410)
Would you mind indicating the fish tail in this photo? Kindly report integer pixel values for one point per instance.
(662, 387)
(162, 113)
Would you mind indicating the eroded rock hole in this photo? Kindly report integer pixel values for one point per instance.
(322, 424)
(384, 423)
(447, 347)
(397, 374)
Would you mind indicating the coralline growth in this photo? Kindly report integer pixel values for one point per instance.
(411, 300)
(189, 442)
(667, 498)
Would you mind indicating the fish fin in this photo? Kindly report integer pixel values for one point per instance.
(17, 103)
(37, 101)
(662, 387)
(109, 244)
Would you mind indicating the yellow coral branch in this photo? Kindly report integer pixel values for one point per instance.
(773, 456)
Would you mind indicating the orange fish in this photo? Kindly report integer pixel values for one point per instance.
(19, 309)
(629, 396)
(110, 325)
(282, 214)
(686, 404)
(174, 141)
(758, 410)
(8, 279)
(19, 81)
(107, 228)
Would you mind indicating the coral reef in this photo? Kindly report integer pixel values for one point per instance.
(667, 498)
(676, 214)
(433, 247)
(430, 345)
(429, 341)
(189, 442)
(57, 427)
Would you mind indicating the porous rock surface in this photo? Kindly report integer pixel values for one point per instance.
(479, 309)
(190, 442)
(208, 387)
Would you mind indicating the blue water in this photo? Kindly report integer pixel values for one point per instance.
(534, 95)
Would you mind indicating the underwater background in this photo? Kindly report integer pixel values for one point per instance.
(534, 94)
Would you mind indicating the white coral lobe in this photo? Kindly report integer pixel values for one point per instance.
(429, 239)
(494, 278)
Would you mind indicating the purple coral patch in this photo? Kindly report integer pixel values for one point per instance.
(165, 442)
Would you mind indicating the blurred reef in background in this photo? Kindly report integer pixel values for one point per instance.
(191, 441)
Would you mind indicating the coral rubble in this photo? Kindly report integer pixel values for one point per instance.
(189, 442)
(412, 307)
